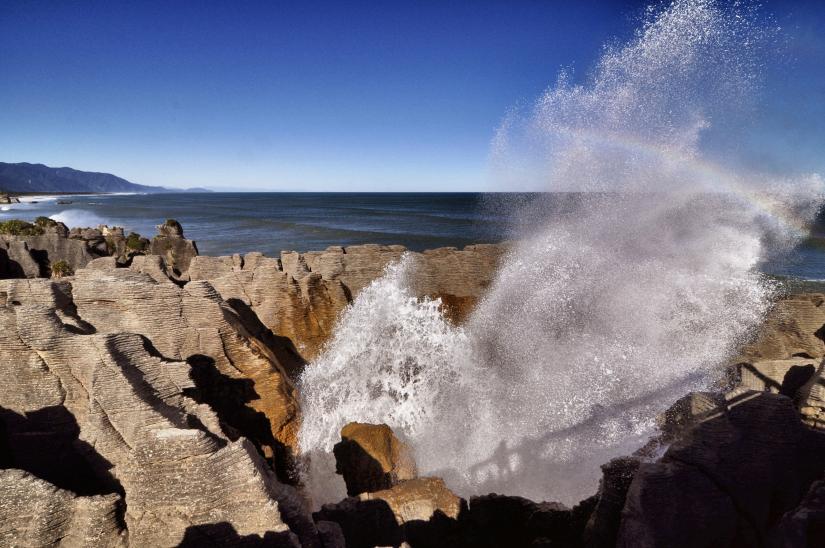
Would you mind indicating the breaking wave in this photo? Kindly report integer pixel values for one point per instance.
(616, 301)
(78, 218)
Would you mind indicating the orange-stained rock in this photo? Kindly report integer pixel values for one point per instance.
(418, 499)
(235, 372)
(371, 458)
(301, 295)
(420, 512)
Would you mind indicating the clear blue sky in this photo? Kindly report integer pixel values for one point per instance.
(328, 96)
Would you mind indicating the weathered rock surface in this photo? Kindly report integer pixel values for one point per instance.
(90, 400)
(370, 458)
(31, 255)
(792, 329)
(300, 296)
(726, 482)
(235, 371)
(176, 250)
(34, 512)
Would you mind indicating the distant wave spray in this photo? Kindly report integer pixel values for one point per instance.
(625, 297)
(78, 218)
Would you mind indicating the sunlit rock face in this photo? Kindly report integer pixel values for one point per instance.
(301, 295)
(150, 394)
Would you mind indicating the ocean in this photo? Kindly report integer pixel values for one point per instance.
(225, 223)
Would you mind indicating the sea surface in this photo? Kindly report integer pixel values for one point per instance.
(225, 223)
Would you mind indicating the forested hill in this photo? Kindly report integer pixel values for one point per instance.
(25, 177)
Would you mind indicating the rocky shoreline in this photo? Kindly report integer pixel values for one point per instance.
(148, 398)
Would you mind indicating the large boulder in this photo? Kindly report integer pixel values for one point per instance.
(176, 250)
(371, 458)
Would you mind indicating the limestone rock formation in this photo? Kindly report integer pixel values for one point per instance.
(34, 512)
(300, 296)
(371, 458)
(96, 395)
(728, 480)
(7, 199)
(176, 250)
(235, 371)
(792, 329)
(30, 252)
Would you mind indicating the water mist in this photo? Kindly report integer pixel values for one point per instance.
(633, 291)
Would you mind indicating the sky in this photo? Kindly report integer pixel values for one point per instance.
(334, 96)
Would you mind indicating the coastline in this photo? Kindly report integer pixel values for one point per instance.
(254, 322)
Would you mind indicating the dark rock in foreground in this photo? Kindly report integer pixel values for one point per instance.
(727, 481)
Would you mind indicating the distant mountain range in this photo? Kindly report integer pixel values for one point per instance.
(25, 177)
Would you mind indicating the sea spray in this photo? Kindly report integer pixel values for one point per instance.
(78, 218)
(613, 304)
(388, 361)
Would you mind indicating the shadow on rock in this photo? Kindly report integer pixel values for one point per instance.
(223, 534)
(283, 347)
(45, 443)
(229, 397)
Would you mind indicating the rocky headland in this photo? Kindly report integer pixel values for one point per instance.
(148, 398)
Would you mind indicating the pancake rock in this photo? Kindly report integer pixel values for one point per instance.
(242, 376)
(300, 296)
(792, 329)
(176, 250)
(36, 513)
(786, 354)
(131, 423)
(28, 250)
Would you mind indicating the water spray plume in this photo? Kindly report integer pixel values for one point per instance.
(622, 296)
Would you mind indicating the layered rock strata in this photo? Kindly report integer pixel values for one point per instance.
(142, 391)
(138, 408)
(32, 249)
(300, 295)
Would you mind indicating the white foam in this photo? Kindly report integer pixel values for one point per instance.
(598, 320)
(79, 218)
